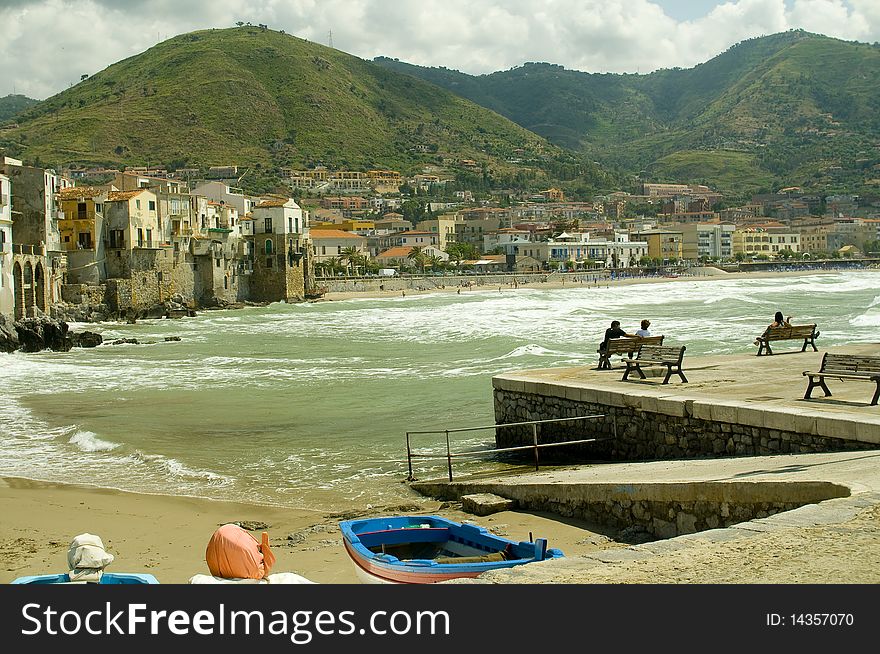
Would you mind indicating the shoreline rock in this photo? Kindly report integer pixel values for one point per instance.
(38, 334)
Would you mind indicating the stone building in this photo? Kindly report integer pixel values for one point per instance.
(7, 296)
(39, 263)
(279, 252)
(82, 232)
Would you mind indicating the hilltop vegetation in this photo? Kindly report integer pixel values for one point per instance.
(12, 105)
(789, 109)
(264, 99)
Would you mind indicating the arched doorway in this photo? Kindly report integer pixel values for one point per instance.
(28, 288)
(18, 290)
(40, 288)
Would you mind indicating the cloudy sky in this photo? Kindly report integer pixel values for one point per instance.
(45, 45)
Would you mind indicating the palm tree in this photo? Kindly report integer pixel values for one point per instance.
(418, 257)
(435, 262)
(334, 265)
(352, 257)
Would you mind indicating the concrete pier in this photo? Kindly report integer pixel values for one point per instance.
(734, 453)
(733, 405)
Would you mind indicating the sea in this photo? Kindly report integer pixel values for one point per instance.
(307, 405)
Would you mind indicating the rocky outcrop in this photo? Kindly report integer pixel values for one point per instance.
(8, 336)
(86, 339)
(36, 334)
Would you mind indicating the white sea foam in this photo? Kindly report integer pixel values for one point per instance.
(88, 441)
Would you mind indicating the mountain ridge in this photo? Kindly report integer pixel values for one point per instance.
(784, 109)
(266, 99)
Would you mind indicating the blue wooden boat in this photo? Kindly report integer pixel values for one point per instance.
(106, 578)
(429, 549)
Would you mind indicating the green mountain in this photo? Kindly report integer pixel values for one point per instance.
(12, 105)
(265, 99)
(792, 108)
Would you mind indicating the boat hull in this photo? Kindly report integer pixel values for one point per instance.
(429, 549)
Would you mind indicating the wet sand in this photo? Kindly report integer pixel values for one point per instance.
(166, 536)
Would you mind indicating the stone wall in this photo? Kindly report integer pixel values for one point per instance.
(663, 510)
(84, 294)
(674, 429)
(278, 276)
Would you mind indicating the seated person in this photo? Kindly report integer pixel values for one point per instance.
(612, 332)
(234, 556)
(779, 321)
(643, 332)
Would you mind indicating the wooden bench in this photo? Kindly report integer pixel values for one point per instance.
(628, 345)
(791, 333)
(845, 366)
(657, 355)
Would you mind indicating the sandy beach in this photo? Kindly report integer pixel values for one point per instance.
(574, 280)
(166, 536)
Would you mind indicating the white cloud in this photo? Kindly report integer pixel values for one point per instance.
(45, 45)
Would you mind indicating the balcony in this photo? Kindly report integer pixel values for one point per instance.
(149, 245)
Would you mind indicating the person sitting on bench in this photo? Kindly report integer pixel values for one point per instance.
(612, 332)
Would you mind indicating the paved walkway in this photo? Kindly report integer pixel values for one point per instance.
(834, 541)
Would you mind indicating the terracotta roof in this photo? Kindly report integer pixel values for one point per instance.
(395, 253)
(416, 233)
(124, 196)
(272, 203)
(318, 234)
(80, 192)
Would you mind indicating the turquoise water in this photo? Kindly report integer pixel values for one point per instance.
(307, 405)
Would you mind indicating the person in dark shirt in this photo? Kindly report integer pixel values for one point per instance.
(613, 332)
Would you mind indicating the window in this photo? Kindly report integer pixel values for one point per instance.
(268, 246)
(99, 208)
(149, 237)
(152, 205)
(267, 225)
(137, 204)
(140, 237)
(290, 223)
(81, 210)
(217, 262)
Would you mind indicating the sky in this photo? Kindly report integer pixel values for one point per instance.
(47, 45)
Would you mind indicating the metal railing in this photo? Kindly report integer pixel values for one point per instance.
(535, 446)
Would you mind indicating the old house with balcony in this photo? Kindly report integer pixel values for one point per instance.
(139, 261)
(279, 251)
(83, 235)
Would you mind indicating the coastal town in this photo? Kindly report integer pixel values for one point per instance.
(91, 244)
(474, 295)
